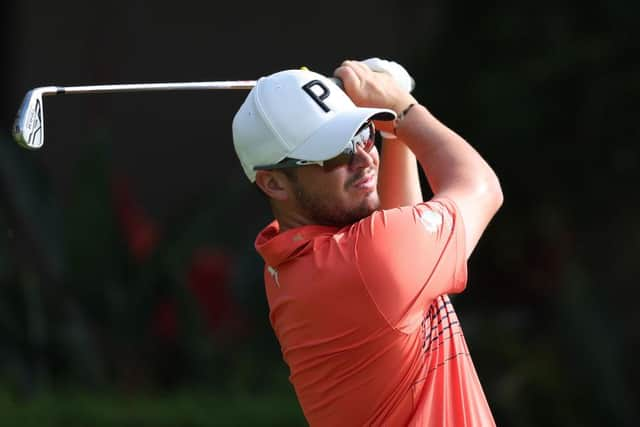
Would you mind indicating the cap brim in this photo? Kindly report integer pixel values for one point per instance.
(329, 140)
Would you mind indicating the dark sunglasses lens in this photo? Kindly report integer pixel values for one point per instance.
(365, 139)
(369, 143)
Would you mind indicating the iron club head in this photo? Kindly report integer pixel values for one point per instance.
(28, 128)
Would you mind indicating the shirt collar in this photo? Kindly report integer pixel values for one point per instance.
(276, 247)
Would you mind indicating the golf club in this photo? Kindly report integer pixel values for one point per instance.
(28, 128)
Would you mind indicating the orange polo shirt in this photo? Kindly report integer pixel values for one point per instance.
(364, 322)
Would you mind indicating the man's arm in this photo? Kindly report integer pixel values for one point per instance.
(453, 168)
(398, 179)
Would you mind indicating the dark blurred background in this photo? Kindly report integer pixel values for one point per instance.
(130, 293)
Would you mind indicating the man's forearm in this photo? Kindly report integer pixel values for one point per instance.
(398, 179)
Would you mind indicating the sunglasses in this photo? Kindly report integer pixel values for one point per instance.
(365, 138)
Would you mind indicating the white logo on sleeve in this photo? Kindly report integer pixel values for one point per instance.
(274, 274)
(431, 221)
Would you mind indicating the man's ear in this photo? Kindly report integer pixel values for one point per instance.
(273, 184)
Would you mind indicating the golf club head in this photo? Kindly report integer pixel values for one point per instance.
(28, 128)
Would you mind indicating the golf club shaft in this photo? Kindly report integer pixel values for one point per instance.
(153, 87)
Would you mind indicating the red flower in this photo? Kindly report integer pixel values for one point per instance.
(140, 231)
(165, 320)
(208, 278)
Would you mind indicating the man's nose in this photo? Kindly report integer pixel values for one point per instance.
(363, 159)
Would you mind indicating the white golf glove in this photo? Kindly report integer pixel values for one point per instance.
(397, 71)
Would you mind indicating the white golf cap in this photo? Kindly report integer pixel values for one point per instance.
(297, 114)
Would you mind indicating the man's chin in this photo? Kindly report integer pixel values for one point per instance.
(347, 216)
(339, 215)
(368, 206)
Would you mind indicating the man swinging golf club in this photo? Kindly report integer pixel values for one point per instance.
(357, 265)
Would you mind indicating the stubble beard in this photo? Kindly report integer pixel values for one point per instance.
(322, 212)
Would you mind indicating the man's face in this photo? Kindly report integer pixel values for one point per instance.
(341, 195)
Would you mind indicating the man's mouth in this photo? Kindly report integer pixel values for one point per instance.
(365, 182)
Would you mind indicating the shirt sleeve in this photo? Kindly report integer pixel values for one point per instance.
(408, 256)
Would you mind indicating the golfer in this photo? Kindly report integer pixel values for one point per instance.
(357, 265)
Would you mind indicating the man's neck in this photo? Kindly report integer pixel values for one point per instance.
(290, 219)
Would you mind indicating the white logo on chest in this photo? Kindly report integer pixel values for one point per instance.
(431, 221)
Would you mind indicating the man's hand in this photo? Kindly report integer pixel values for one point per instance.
(369, 88)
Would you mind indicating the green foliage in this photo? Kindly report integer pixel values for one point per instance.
(180, 408)
(93, 321)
